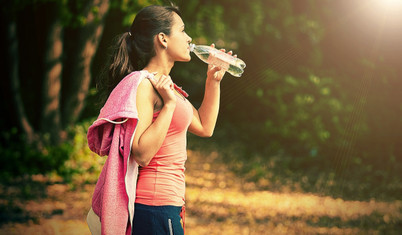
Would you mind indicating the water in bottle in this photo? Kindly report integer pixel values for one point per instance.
(233, 65)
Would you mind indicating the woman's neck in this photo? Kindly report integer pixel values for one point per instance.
(160, 65)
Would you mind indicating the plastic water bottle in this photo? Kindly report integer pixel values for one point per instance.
(233, 65)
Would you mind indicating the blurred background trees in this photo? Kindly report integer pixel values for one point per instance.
(42, 56)
(321, 91)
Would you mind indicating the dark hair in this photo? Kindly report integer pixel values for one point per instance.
(133, 50)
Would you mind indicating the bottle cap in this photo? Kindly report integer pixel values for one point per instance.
(192, 46)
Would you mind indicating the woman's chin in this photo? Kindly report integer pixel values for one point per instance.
(186, 59)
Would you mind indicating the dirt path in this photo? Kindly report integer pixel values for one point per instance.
(218, 202)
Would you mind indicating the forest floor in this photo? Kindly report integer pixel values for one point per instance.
(217, 202)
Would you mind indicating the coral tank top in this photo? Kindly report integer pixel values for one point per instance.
(162, 181)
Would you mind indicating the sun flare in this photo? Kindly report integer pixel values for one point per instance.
(390, 3)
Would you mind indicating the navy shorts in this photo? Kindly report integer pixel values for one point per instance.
(157, 220)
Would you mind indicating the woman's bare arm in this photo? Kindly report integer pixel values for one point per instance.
(204, 119)
(149, 136)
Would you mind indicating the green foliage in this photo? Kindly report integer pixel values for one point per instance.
(82, 166)
(72, 160)
(303, 111)
(130, 8)
(20, 159)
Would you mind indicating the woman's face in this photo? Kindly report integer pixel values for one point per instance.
(178, 41)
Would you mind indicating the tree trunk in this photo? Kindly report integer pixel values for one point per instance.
(50, 121)
(88, 38)
(13, 63)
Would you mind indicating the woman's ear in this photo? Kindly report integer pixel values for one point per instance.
(162, 40)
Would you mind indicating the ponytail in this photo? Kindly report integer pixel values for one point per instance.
(118, 66)
(120, 63)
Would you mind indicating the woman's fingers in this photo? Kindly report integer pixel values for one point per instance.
(164, 86)
(166, 82)
(222, 49)
(217, 72)
(160, 81)
(215, 69)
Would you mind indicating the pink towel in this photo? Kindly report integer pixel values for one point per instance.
(112, 135)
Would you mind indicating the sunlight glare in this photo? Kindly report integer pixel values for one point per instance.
(390, 3)
(390, 9)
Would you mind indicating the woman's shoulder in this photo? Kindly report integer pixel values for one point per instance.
(146, 89)
(132, 80)
(145, 86)
(131, 84)
(146, 94)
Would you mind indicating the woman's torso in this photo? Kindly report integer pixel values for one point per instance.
(162, 181)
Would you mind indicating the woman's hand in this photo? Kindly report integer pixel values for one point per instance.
(164, 86)
(215, 72)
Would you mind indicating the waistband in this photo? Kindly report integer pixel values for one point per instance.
(167, 209)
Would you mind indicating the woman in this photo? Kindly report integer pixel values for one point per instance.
(144, 122)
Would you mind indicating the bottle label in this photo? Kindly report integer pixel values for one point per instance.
(215, 60)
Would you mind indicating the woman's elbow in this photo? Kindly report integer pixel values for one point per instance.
(206, 134)
(141, 160)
